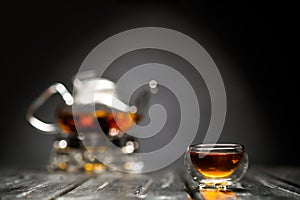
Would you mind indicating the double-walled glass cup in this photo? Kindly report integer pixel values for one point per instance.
(216, 165)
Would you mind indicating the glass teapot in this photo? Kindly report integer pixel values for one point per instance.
(104, 109)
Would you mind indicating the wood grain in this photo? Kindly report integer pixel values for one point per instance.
(259, 183)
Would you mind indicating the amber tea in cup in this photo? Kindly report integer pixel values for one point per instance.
(216, 165)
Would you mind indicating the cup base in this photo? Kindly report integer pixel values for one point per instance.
(218, 184)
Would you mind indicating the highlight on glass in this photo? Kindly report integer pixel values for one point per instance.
(216, 165)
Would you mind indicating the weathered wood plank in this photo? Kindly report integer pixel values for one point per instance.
(290, 175)
(159, 185)
(271, 187)
(256, 185)
(259, 183)
(38, 185)
(168, 185)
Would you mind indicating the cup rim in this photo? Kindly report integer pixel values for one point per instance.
(217, 146)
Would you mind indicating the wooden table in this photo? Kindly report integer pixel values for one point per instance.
(259, 183)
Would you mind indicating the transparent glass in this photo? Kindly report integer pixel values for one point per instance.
(216, 165)
(94, 104)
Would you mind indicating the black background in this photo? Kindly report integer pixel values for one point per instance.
(254, 46)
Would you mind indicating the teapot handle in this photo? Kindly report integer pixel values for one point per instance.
(40, 125)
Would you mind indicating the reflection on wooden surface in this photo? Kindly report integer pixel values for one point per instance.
(211, 194)
(260, 183)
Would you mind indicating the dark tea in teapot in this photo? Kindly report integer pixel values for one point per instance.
(113, 124)
(108, 121)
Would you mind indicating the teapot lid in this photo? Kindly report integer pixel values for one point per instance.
(90, 89)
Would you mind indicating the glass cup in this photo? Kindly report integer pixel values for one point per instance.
(216, 165)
